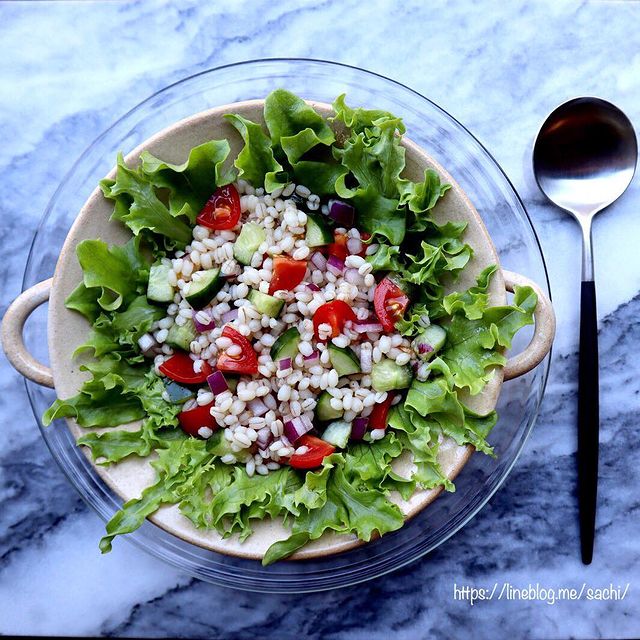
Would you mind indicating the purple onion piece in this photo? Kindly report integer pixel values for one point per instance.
(341, 212)
(297, 427)
(318, 261)
(257, 407)
(201, 327)
(313, 287)
(352, 276)
(217, 383)
(313, 356)
(335, 265)
(423, 348)
(369, 327)
(284, 364)
(230, 316)
(359, 428)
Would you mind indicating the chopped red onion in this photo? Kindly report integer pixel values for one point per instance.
(264, 439)
(352, 276)
(354, 245)
(230, 315)
(217, 383)
(284, 364)
(313, 356)
(297, 427)
(318, 261)
(201, 327)
(359, 428)
(313, 287)
(335, 265)
(341, 212)
(257, 407)
(368, 327)
(423, 348)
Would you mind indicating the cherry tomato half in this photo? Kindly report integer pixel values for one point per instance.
(318, 450)
(287, 274)
(179, 367)
(335, 314)
(390, 303)
(222, 209)
(379, 414)
(245, 362)
(193, 419)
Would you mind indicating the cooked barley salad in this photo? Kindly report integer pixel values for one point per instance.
(280, 326)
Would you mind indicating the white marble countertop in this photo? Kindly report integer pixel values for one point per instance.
(68, 69)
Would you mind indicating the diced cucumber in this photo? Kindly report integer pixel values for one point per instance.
(318, 231)
(387, 375)
(344, 360)
(177, 393)
(203, 287)
(286, 346)
(181, 336)
(324, 410)
(429, 341)
(232, 383)
(266, 304)
(246, 244)
(159, 289)
(337, 433)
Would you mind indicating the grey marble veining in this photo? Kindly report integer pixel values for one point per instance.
(68, 69)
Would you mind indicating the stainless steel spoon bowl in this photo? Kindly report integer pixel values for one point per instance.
(583, 159)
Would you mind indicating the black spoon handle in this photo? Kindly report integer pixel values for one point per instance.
(588, 419)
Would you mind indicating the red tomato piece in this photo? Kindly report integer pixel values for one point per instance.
(335, 314)
(222, 209)
(245, 362)
(338, 247)
(380, 413)
(287, 274)
(390, 303)
(193, 419)
(179, 367)
(318, 450)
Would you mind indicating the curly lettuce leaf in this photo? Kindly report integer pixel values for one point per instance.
(474, 300)
(116, 271)
(256, 162)
(174, 465)
(294, 126)
(474, 346)
(191, 183)
(352, 504)
(378, 215)
(319, 177)
(421, 197)
(360, 120)
(138, 205)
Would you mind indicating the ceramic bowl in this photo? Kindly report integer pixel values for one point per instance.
(67, 329)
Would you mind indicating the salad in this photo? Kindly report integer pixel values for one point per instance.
(279, 325)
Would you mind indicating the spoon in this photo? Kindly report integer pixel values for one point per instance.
(583, 159)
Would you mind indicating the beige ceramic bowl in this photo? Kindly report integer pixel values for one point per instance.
(67, 329)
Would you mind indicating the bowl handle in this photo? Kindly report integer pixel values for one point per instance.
(544, 331)
(12, 325)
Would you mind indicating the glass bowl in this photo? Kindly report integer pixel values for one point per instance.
(487, 187)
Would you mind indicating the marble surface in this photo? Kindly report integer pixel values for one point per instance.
(68, 69)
